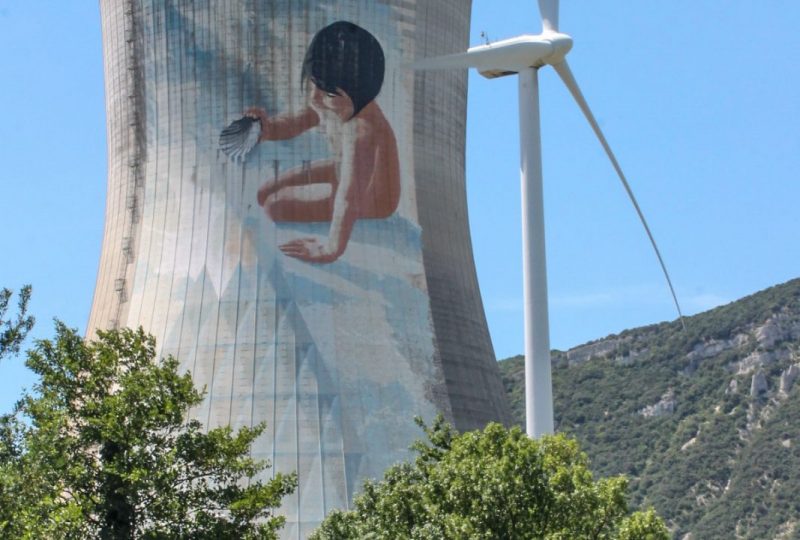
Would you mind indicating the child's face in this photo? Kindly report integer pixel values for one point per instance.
(339, 103)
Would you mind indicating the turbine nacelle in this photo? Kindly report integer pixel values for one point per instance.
(506, 57)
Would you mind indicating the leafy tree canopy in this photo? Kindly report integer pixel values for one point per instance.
(489, 484)
(103, 449)
(13, 332)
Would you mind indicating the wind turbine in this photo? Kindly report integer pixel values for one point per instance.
(523, 56)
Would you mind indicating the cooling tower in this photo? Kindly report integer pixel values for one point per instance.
(286, 213)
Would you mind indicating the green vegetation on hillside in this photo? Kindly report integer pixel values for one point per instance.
(713, 459)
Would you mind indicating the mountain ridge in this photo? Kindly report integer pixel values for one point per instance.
(703, 421)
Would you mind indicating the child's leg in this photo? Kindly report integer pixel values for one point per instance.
(318, 172)
(378, 202)
(301, 203)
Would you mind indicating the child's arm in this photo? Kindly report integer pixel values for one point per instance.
(354, 165)
(312, 250)
(344, 204)
(285, 126)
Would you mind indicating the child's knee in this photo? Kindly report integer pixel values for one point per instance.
(261, 197)
(267, 202)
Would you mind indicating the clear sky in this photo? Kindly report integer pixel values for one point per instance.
(698, 98)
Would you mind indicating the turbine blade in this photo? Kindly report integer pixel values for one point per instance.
(569, 80)
(448, 61)
(549, 11)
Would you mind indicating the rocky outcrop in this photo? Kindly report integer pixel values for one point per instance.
(778, 328)
(767, 337)
(711, 348)
(788, 378)
(666, 405)
(759, 359)
(597, 349)
(758, 386)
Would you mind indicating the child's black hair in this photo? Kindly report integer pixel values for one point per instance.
(343, 55)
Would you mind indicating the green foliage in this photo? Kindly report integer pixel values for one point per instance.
(489, 484)
(103, 449)
(13, 332)
(708, 468)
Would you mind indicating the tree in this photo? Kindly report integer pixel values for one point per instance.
(12, 333)
(489, 484)
(103, 449)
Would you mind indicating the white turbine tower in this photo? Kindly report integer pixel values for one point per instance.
(523, 56)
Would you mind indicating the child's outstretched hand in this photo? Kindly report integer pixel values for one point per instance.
(309, 250)
(260, 115)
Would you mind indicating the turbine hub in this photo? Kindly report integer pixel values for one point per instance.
(562, 44)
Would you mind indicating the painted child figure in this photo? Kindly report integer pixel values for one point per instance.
(343, 72)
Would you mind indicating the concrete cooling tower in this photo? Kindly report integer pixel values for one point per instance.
(287, 215)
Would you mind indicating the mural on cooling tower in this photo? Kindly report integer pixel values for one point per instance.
(342, 74)
(279, 255)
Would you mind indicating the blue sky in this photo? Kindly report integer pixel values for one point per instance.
(697, 98)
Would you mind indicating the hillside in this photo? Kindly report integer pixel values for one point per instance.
(705, 422)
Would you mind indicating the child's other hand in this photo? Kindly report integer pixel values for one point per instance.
(260, 115)
(309, 250)
(257, 113)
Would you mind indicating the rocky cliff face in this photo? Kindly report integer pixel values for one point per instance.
(705, 422)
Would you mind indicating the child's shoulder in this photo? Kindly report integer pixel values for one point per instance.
(372, 124)
(364, 127)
